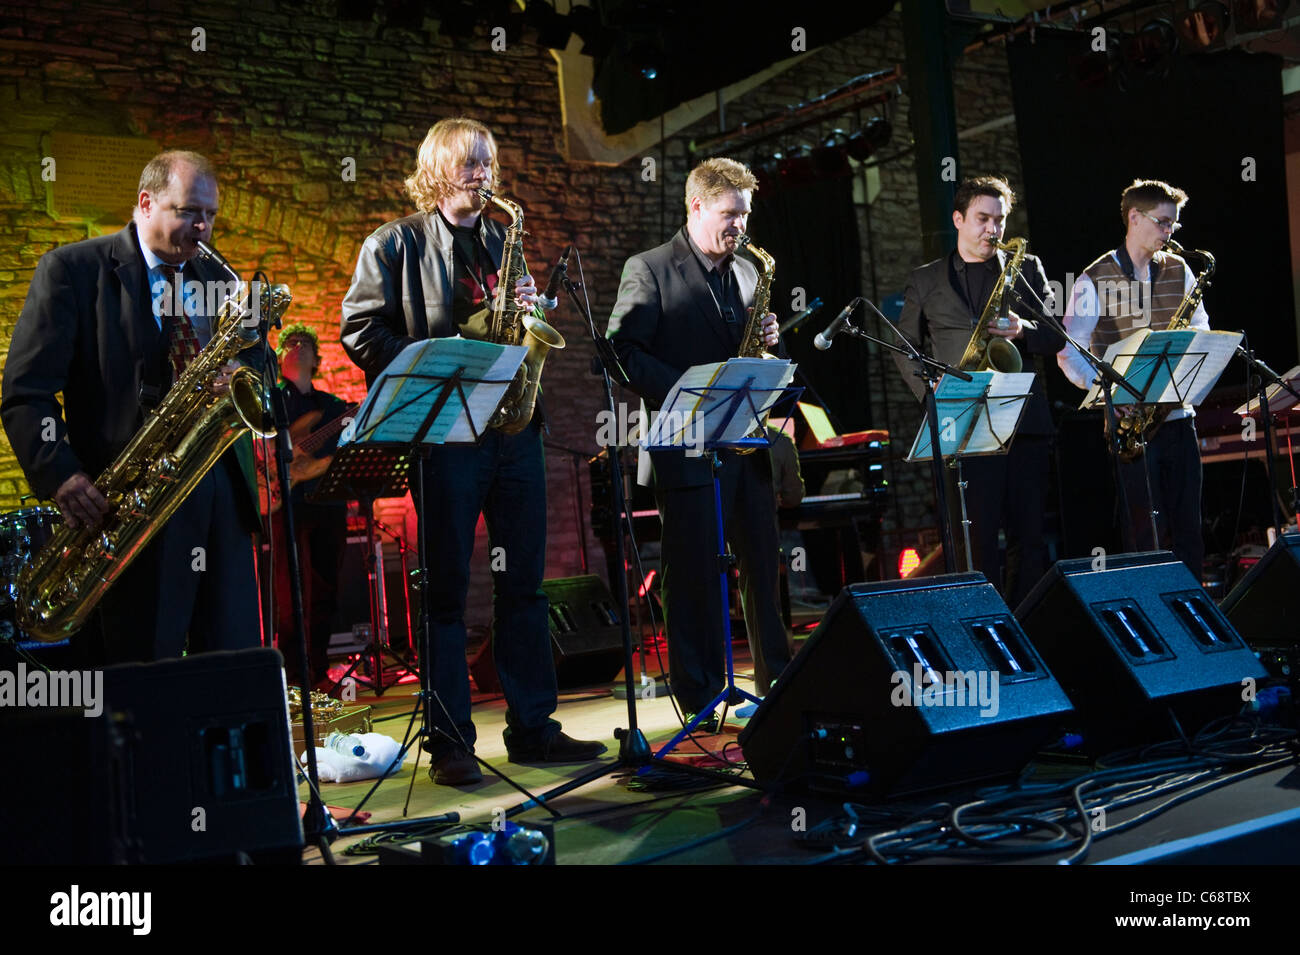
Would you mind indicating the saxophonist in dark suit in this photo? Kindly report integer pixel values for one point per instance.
(941, 308)
(102, 324)
(685, 303)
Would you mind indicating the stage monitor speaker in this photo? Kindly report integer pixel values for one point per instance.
(586, 635)
(908, 685)
(1133, 641)
(188, 760)
(1265, 608)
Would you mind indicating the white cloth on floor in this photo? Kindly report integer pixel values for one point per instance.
(335, 767)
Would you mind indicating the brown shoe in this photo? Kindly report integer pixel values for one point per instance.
(456, 767)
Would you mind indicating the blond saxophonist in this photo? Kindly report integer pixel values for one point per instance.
(432, 275)
(102, 325)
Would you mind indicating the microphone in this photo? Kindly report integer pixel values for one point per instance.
(823, 338)
(794, 320)
(549, 299)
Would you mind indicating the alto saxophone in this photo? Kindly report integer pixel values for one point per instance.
(752, 344)
(986, 351)
(1137, 428)
(176, 446)
(514, 325)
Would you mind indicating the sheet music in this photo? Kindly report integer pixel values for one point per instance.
(1279, 399)
(964, 427)
(1196, 359)
(689, 416)
(396, 406)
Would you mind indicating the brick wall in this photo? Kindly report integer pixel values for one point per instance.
(279, 98)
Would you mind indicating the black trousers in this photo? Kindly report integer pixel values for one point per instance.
(194, 588)
(322, 532)
(1173, 462)
(1006, 493)
(691, 589)
(503, 478)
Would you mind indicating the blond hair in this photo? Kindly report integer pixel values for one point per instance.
(447, 144)
(713, 177)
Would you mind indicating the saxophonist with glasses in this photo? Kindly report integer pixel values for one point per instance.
(943, 307)
(1141, 284)
(111, 322)
(434, 274)
(688, 302)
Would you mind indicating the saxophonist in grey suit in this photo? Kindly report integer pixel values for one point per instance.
(685, 303)
(944, 301)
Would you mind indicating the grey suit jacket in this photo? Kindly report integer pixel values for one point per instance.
(937, 320)
(665, 321)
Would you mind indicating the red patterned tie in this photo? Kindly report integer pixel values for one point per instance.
(182, 343)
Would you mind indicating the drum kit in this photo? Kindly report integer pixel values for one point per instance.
(22, 533)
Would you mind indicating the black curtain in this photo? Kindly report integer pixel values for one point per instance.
(811, 230)
(1211, 124)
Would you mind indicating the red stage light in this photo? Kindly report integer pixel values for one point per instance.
(908, 561)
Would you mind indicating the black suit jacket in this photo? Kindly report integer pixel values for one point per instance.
(665, 321)
(937, 320)
(88, 330)
(401, 290)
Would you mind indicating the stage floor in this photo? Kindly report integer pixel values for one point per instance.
(624, 816)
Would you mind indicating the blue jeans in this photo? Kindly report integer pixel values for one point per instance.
(504, 478)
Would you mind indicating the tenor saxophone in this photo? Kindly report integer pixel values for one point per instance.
(986, 351)
(517, 325)
(752, 344)
(176, 446)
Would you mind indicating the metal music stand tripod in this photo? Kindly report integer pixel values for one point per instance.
(723, 416)
(436, 391)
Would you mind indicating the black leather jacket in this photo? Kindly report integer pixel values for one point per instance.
(402, 288)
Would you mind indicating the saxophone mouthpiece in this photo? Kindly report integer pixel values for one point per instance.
(485, 194)
(1173, 246)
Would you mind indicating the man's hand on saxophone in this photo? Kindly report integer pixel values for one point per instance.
(525, 291)
(220, 385)
(80, 501)
(1013, 328)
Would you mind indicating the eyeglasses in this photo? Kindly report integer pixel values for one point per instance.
(1171, 224)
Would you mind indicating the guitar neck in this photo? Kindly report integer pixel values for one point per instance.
(312, 443)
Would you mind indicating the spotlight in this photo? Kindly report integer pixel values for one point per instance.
(1151, 49)
(871, 137)
(1254, 16)
(1203, 26)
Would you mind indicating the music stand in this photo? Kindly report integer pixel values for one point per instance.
(712, 408)
(1173, 366)
(979, 417)
(1276, 394)
(436, 391)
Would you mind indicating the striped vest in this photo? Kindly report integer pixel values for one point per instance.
(1124, 306)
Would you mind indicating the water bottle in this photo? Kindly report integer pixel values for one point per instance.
(347, 743)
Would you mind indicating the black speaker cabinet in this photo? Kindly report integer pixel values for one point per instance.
(1265, 608)
(187, 761)
(908, 685)
(586, 635)
(1133, 641)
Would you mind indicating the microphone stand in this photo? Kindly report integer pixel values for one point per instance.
(929, 370)
(1265, 376)
(633, 749)
(1107, 373)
